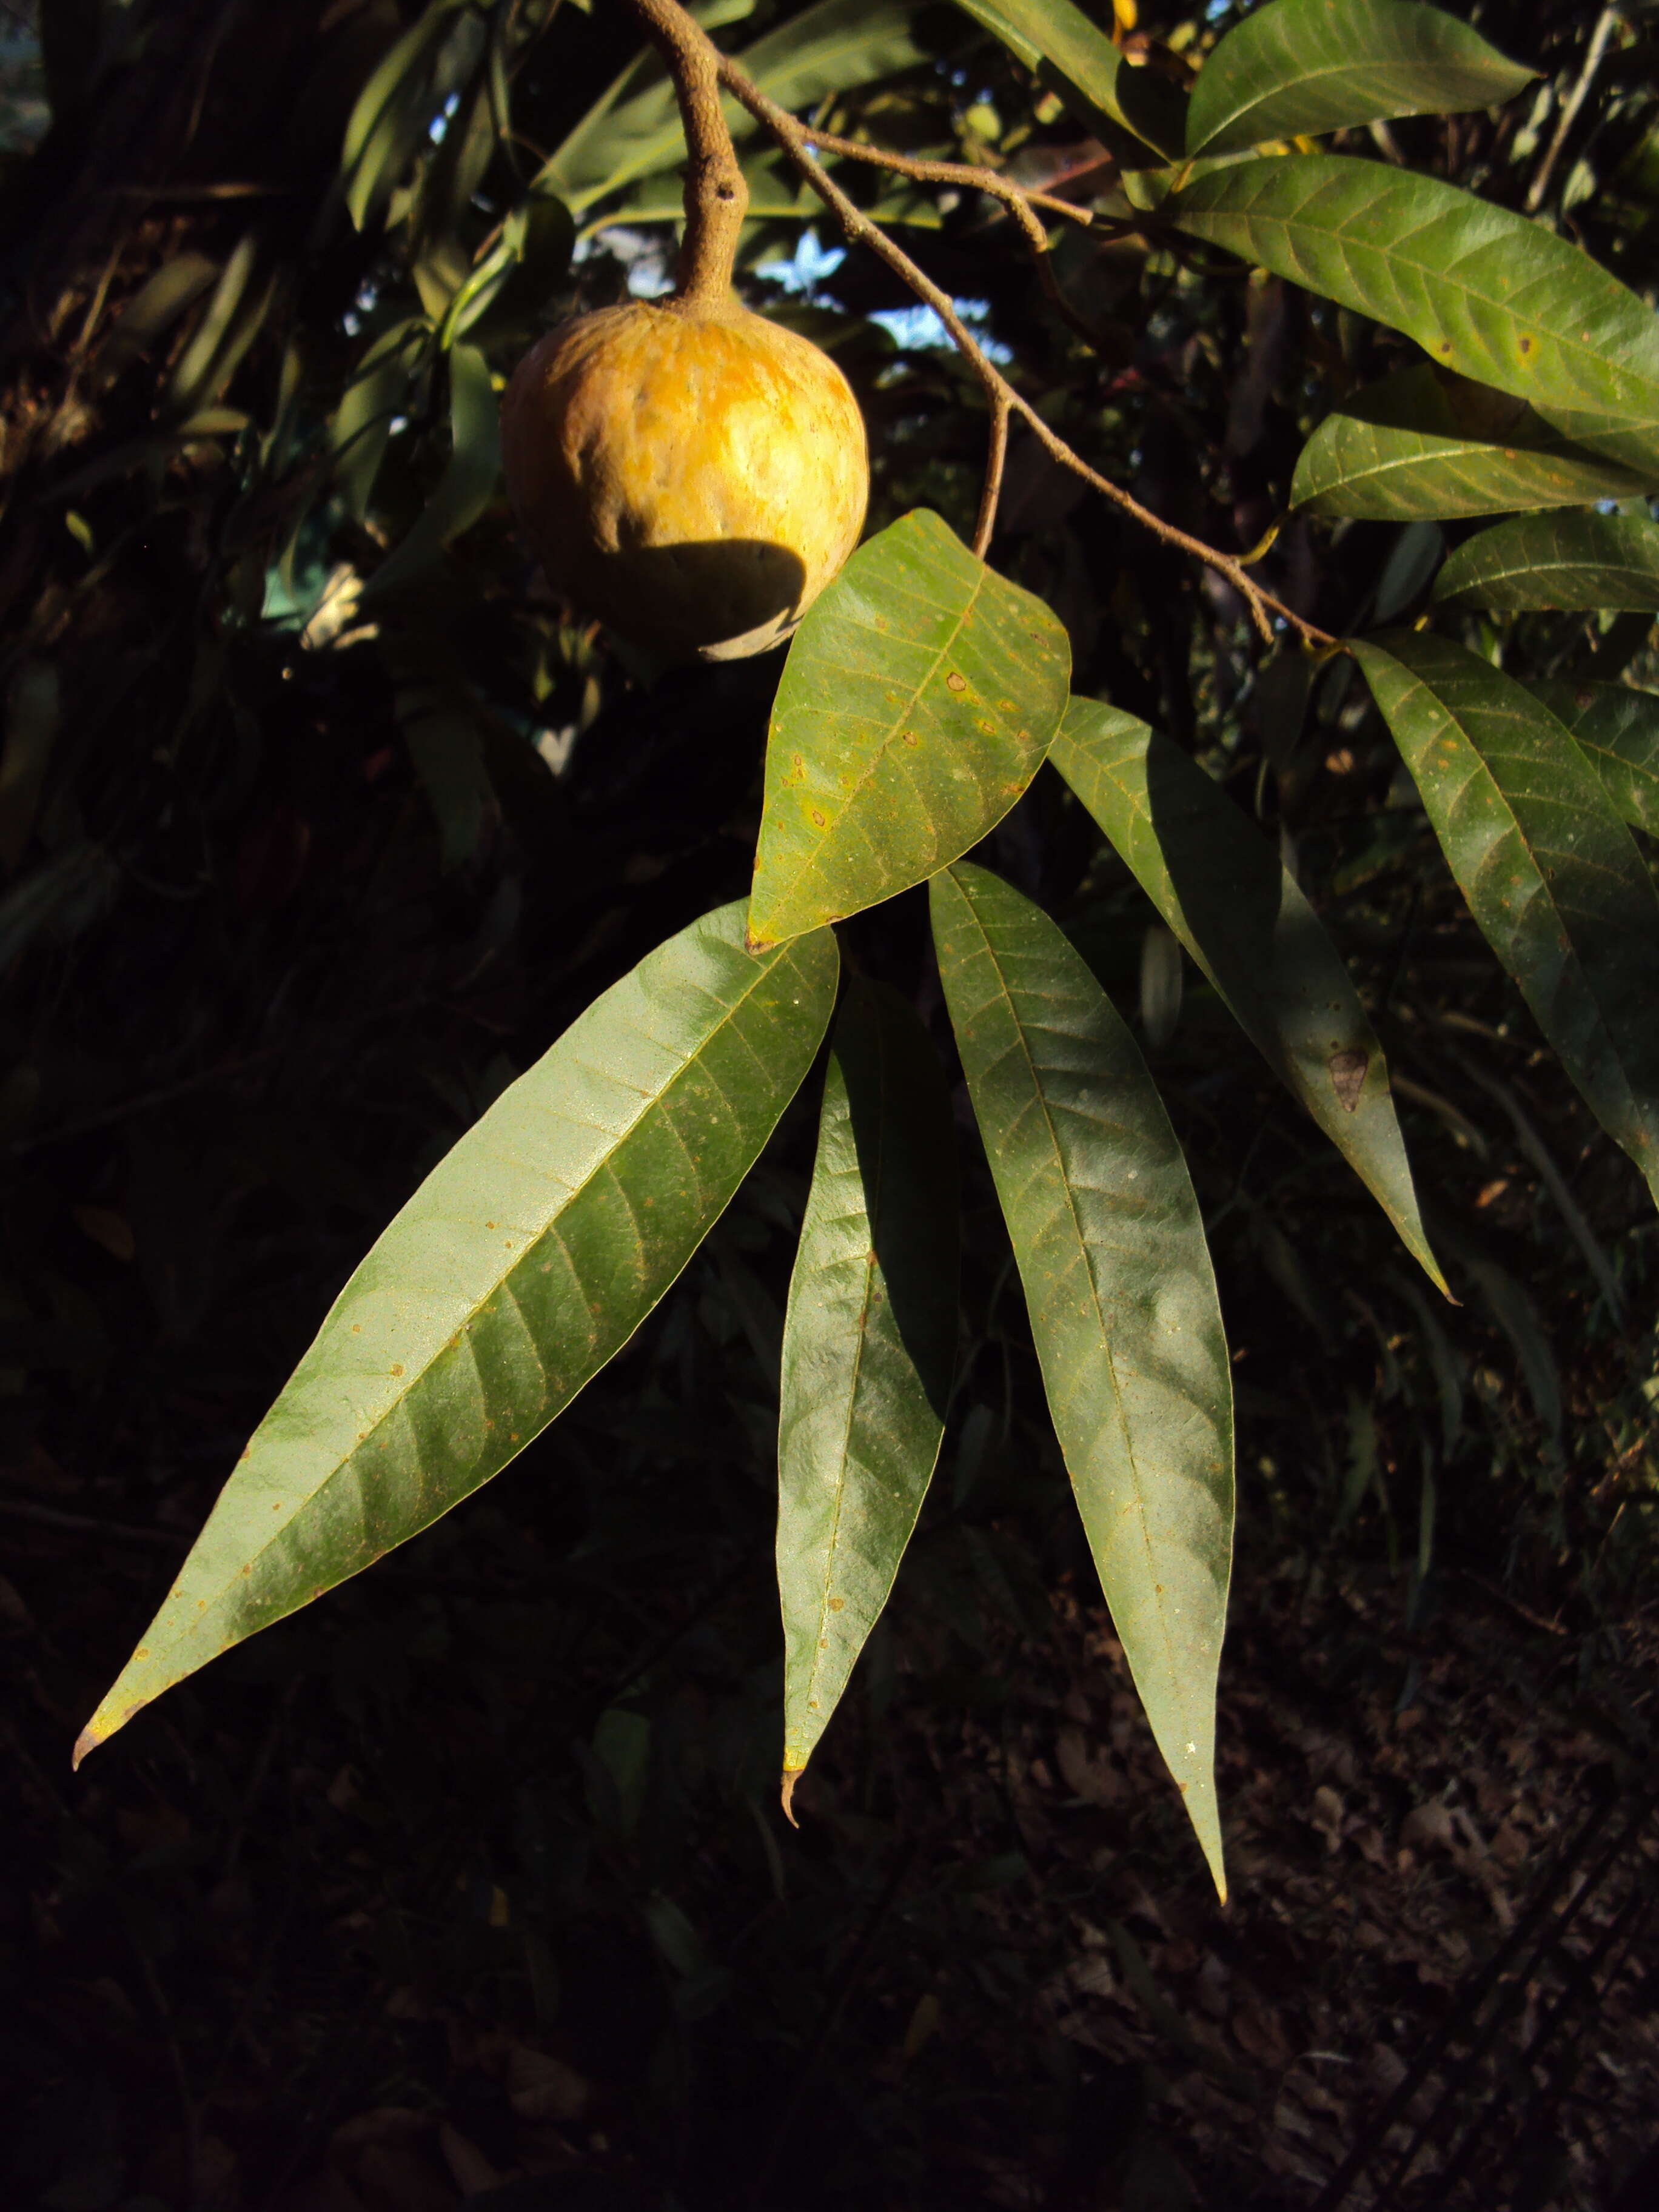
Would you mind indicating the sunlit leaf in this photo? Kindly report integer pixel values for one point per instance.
(869, 1344)
(1223, 890)
(1490, 294)
(525, 1259)
(1296, 68)
(1583, 562)
(920, 694)
(1122, 1301)
(1618, 728)
(1058, 41)
(1425, 444)
(1551, 873)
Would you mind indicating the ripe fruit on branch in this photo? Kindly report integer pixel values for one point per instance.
(687, 471)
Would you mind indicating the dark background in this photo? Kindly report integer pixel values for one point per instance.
(470, 1881)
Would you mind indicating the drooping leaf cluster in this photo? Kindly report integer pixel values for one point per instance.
(921, 699)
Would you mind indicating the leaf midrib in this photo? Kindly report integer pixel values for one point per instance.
(1391, 253)
(872, 1217)
(1572, 953)
(1366, 70)
(573, 1192)
(1174, 1671)
(833, 821)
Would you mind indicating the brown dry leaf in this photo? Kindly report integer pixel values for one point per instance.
(111, 1229)
(539, 2087)
(473, 2172)
(1256, 2032)
(1326, 1816)
(1086, 1772)
(1427, 1824)
(399, 2177)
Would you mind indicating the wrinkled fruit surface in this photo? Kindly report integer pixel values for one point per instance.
(694, 478)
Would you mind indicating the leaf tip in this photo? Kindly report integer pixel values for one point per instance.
(792, 1775)
(89, 1739)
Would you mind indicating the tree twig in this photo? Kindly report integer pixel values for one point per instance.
(992, 491)
(716, 197)
(795, 138)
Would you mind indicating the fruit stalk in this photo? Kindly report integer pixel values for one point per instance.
(716, 197)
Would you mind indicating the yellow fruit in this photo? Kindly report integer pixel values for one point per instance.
(694, 476)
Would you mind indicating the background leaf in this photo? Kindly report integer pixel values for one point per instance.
(1297, 68)
(820, 52)
(1424, 443)
(1225, 892)
(868, 1349)
(1122, 1301)
(1550, 872)
(1619, 728)
(529, 1256)
(1487, 293)
(919, 696)
(1585, 561)
(469, 481)
(1080, 62)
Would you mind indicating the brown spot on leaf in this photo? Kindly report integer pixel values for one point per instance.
(954, 682)
(1348, 1075)
(396, 1368)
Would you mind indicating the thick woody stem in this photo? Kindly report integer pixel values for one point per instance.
(716, 197)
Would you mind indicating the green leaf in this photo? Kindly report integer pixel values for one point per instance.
(468, 483)
(1297, 68)
(1551, 873)
(824, 50)
(868, 1349)
(525, 1259)
(1110, 1248)
(1424, 444)
(379, 389)
(1578, 561)
(1491, 294)
(1618, 728)
(1058, 41)
(1224, 891)
(920, 694)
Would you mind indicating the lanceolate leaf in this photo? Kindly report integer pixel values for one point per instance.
(1490, 294)
(1583, 561)
(1224, 891)
(527, 1257)
(1296, 68)
(1551, 873)
(919, 696)
(1619, 729)
(1423, 445)
(868, 1349)
(1110, 1248)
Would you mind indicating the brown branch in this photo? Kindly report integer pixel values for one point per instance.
(716, 197)
(993, 461)
(1019, 202)
(1016, 199)
(795, 139)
